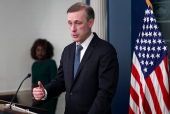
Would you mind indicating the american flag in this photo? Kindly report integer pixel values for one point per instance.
(149, 89)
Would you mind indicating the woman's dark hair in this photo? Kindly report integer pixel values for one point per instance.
(46, 45)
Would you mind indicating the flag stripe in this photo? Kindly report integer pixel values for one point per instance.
(158, 93)
(133, 105)
(160, 80)
(131, 111)
(146, 100)
(146, 106)
(136, 87)
(163, 66)
(165, 76)
(136, 75)
(153, 94)
(134, 95)
(166, 67)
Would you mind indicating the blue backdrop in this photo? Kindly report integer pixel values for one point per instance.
(119, 37)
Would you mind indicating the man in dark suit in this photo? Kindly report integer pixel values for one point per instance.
(90, 83)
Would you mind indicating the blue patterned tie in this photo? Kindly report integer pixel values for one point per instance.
(77, 59)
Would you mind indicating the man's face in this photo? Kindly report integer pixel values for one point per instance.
(78, 25)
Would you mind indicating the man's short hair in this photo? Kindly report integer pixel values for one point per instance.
(80, 6)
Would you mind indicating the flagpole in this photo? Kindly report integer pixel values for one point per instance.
(149, 3)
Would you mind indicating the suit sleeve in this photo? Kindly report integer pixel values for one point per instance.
(108, 79)
(57, 86)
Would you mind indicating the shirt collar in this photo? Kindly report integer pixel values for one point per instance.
(86, 43)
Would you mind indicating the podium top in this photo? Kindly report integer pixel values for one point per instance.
(4, 110)
(32, 109)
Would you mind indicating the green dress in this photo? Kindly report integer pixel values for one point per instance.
(45, 72)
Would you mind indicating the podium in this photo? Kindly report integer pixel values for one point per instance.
(5, 110)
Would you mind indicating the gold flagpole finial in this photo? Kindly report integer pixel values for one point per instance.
(149, 3)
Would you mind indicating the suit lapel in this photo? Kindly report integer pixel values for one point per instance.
(71, 62)
(87, 54)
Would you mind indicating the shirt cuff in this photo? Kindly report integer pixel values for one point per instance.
(45, 95)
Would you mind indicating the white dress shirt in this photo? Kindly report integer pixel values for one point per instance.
(85, 44)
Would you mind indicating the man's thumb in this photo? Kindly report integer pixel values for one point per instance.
(40, 85)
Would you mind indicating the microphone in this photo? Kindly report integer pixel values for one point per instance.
(29, 75)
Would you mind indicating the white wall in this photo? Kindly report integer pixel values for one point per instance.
(21, 22)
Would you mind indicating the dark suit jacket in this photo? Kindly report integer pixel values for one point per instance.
(93, 89)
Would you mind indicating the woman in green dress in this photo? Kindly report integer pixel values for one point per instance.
(44, 69)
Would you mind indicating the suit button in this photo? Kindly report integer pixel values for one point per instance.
(71, 93)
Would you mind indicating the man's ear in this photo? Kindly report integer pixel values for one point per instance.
(91, 22)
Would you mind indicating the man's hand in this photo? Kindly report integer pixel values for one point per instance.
(39, 92)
